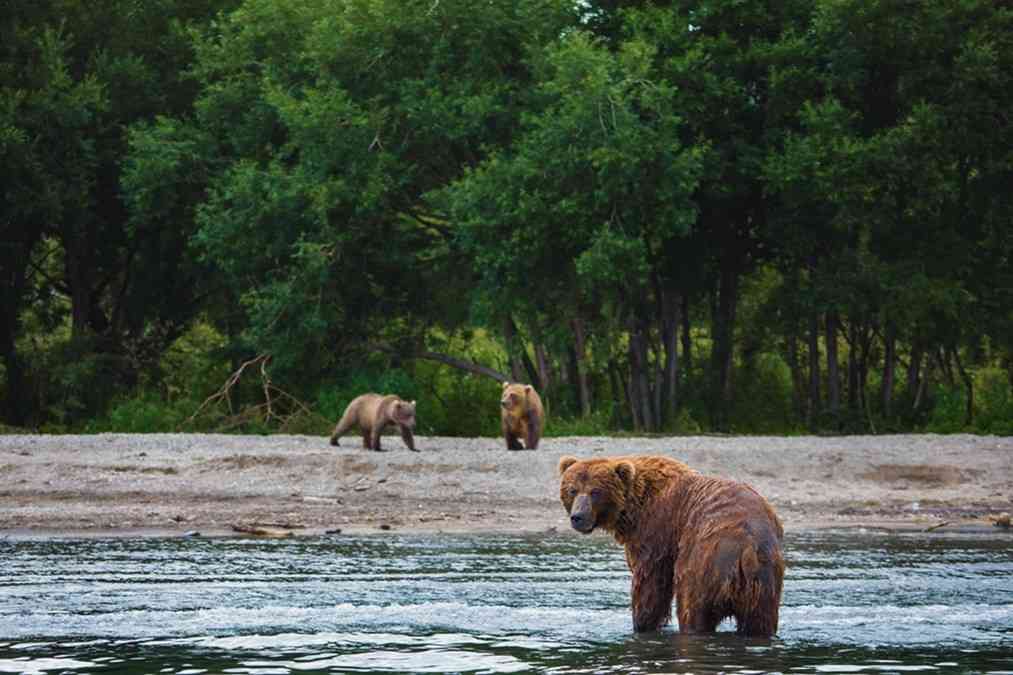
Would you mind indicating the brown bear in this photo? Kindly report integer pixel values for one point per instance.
(521, 416)
(371, 413)
(713, 544)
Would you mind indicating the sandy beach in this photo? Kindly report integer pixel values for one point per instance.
(175, 484)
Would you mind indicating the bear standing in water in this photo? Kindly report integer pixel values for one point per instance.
(712, 544)
(521, 416)
(371, 413)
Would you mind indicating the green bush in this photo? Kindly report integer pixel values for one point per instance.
(993, 403)
(455, 403)
(993, 406)
(598, 423)
(145, 413)
(685, 424)
(762, 403)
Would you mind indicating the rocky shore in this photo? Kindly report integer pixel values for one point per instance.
(172, 484)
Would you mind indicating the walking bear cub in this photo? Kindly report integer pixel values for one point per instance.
(521, 416)
(712, 544)
(371, 413)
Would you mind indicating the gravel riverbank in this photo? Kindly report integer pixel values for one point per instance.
(215, 484)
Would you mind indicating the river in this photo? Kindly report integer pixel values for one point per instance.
(853, 602)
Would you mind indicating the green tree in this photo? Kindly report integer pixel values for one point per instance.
(330, 123)
(570, 226)
(48, 161)
(877, 183)
(74, 76)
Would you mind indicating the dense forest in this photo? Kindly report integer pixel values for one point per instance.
(739, 216)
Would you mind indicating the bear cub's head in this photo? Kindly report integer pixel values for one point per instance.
(404, 413)
(594, 491)
(514, 397)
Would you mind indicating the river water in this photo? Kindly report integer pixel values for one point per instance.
(853, 602)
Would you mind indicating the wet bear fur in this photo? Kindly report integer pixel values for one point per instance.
(521, 416)
(712, 545)
(371, 413)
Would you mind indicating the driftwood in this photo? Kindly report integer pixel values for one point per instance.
(261, 530)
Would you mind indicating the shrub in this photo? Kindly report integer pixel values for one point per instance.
(598, 423)
(993, 403)
(948, 410)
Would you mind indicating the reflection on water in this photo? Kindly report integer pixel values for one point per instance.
(493, 604)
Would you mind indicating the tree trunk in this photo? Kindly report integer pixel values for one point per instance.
(17, 402)
(510, 338)
(639, 381)
(797, 399)
(620, 394)
(517, 351)
(865, 339)
(723, 331)
(85, 313)
(833, 369)
(15, 253)
(889, 367)
(968, 385)
(814, 371)
(670, 311)
(914, 369)
(922, 386)
(633, 395)
(580, 349)
(943, 361)
(687, 337)
(854, 401)
(542, 361)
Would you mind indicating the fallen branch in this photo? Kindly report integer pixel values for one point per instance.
(261, 531)
(223, 393)
(461, 364)
(276, 400)
(283, 526)
(936, 526)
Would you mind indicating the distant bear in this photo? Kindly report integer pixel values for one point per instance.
(521, 416)
(713, 544)
(371, 413)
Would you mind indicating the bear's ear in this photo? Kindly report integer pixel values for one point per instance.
(527, 388)
(566, 462)
(626, 471)
(413, 403)
(506, 384)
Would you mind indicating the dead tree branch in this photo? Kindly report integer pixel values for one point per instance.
(279, 406)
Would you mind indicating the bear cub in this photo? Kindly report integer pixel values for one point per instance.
(371, 413)
(521, 416)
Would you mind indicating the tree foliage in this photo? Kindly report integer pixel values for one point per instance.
(657, 212)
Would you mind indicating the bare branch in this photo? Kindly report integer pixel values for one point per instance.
(279, 405)
(461, 364)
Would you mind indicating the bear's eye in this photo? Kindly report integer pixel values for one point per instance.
(596, 494)
(572, 492)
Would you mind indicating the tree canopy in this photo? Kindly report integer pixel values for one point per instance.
(670, 216)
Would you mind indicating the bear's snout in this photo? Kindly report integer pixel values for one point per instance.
(581, 515)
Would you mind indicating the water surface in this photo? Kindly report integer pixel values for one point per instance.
(855, 602)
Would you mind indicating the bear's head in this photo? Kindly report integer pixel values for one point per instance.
(595, 491)
(514, 398)
(404, 413)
